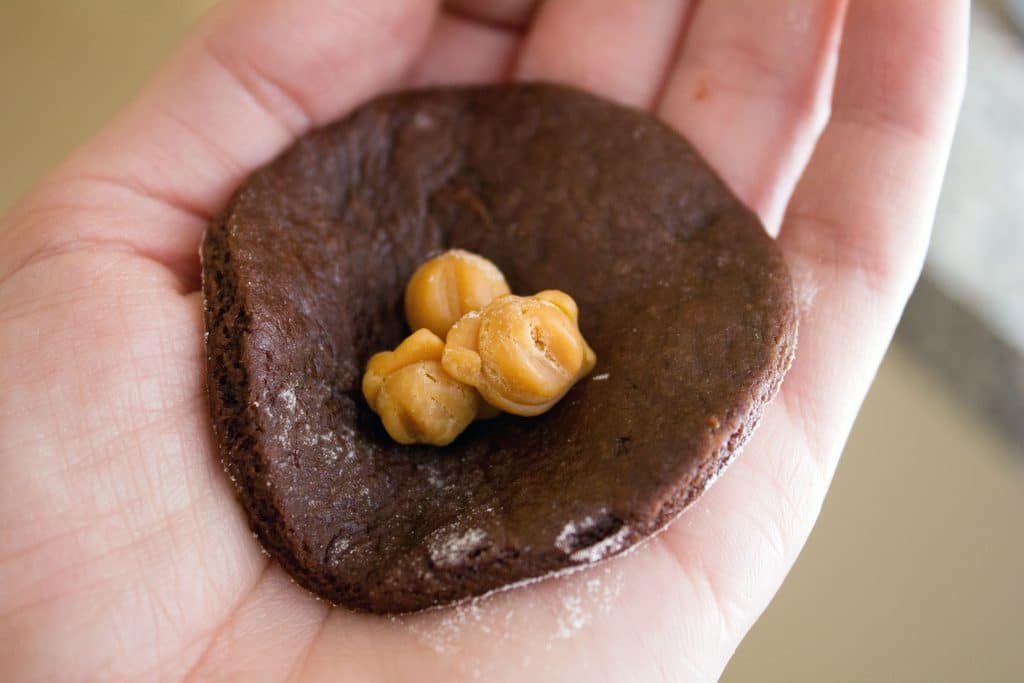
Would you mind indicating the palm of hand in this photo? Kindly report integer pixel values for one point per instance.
(124, 553)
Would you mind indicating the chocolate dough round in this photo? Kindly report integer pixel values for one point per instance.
(683, 296)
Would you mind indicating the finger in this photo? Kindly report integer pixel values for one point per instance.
(463, 51)
(250, 79)
(747, 91)
(858, 226)
(506, 13)
(856, 231)
(619, 50)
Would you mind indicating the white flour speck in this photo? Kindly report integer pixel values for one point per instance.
(452, 548)
(600, 378)
(288, 396)
(806, 292)
(602, 548)
(434, 478)
(574, 617)
(567, 537)
(423, 120)
(560, 606)
(583, 601)
(337, 550)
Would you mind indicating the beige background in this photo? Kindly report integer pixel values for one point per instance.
(915, 571)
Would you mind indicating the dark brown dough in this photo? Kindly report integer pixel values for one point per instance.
(683, 296)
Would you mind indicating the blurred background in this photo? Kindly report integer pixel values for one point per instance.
(915, 571)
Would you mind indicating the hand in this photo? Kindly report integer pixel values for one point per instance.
(124, 554)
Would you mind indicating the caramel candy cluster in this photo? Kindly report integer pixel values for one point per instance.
(501, 352)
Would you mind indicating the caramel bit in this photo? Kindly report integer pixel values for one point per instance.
(521, 353)
(418, 401)
(447, 287)
(503, 352)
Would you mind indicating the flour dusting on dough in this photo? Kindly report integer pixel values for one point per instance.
(566, 539)
(288, 397)
(435, 478)
(603, 548)
(451, 549)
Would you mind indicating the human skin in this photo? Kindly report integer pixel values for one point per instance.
(123, 553)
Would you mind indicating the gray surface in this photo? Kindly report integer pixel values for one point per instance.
(984, 371)
(977, 249)
(1016, 10)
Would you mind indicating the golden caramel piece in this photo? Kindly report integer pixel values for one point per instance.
(448, 286)
(521, 353)
(418, 401)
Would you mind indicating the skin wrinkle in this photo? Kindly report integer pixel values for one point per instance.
(693, 570)
(77, 567)
(223, 662)
(679, 43)
(47, 250)
(224, 624)
(158, 589)
(806, 482)
(108, 448)
(297, 671)
(231, 167)
(126, 510)
(680, 564)
(294, 116)
(508, 15)
(442, 63)
(605, 59)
